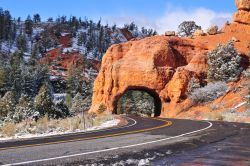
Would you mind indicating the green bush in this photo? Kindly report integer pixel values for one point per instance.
(224, 63)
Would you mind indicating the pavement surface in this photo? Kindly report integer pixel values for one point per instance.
(143, 141)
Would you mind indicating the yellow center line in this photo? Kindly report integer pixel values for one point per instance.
(167, 123)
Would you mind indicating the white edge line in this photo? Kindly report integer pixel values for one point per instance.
(111, 149)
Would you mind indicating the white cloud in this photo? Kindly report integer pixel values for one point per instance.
(203, 17)
(173, 17)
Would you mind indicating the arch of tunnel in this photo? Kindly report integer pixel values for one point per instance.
(152, 93)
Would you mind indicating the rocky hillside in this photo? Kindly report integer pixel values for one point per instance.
(47, 66)
(193, 77)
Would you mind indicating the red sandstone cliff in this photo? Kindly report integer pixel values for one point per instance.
(164, 65)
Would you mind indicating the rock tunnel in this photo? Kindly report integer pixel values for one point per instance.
(160, 66)
(156, 99)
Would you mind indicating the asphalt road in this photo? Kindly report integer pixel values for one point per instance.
(143, 139)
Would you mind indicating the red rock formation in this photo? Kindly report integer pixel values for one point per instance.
(243, 14)
(162, 66)
(155, 64)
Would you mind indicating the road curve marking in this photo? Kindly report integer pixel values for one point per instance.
(168, 123)
(111, 149)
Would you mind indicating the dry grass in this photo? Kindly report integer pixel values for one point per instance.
(9, 129)
(229, 115)
(79, 122)
(42, 124)
(103, 118)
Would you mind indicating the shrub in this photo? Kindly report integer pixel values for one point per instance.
(102, 108)
(224, 63)
(192, 85)
(61, 110)
(9, 129)
(187, 28)
(209, 93)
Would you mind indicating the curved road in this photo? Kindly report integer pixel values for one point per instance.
(140, 138)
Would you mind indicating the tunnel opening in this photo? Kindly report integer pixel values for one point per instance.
(139, 101)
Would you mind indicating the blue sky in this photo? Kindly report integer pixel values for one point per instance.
(150, 13)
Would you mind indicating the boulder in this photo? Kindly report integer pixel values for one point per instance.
(170, 33)
(234, 39)
(199, 32)
(213, 30)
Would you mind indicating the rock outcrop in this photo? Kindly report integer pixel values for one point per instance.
(243, 14)
(162, 66)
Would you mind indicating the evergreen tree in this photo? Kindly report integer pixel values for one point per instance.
(28, 26)
(15, 74)
(77, 103)
(61, 110)
(7, 104)
(34, 54)
(50, 19)
(74, 81)
(5, 83)
(24, 109)
(43, 101)
(28, 86)
(21, 43)
(36, 18)
(5, 24)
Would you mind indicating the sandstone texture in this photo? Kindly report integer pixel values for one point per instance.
(243, 4)
(148, 64)
(243, 13)
(163, 66)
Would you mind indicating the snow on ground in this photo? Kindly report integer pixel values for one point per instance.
(59, 96)
(65, 34)
(107, 124)
(239, 105)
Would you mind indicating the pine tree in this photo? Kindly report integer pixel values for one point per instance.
(28, 86)
(74, 81)
(77, 103)
(61, 110)
(28, 26)
(34, 54)
(15, 74)
(24, 109)
(7, 104)
(5, 83)
(21, 43)
(36, 18)
(43, 101)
